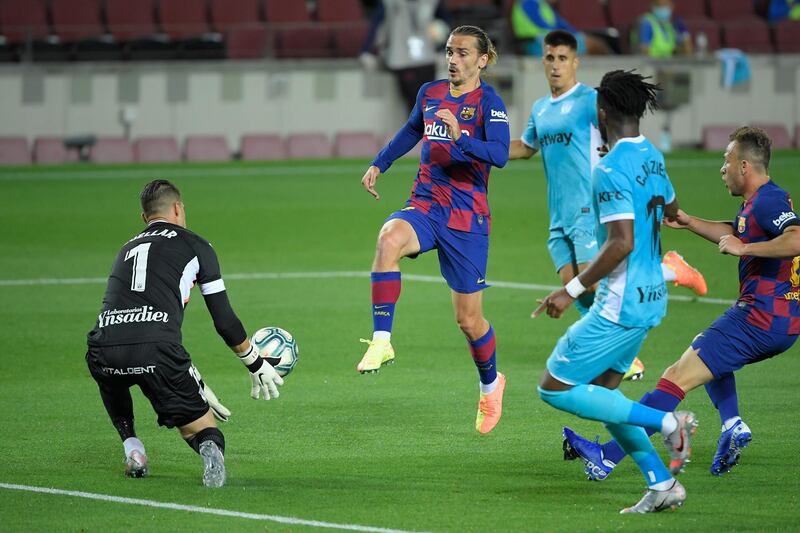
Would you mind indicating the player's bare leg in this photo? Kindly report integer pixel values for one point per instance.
(396, 240)
(203, 437)
(480, 335)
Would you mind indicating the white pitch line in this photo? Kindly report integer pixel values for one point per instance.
(82, 172)
(246, 276)
(195, 509)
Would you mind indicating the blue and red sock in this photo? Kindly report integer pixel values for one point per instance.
(665, 397)
(483, 353)
(385, 293)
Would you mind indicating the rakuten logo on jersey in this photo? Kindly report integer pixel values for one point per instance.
(785, 216)
(437, 131)
(145, 313)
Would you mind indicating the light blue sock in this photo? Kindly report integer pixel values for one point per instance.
(634, 440)
(598, 403)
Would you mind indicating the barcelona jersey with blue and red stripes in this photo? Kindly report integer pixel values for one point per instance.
(453, 178)
(769, 288)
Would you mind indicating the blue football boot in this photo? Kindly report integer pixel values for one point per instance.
(591, 453)
(729, 447)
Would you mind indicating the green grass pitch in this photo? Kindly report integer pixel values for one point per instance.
(393, 450)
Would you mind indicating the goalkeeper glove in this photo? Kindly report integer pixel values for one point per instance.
(221, 412)
(264, 378)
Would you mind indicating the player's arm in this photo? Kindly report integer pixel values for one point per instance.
(265, 379)
(779, 222)
(494, 150)
(520, 150)
(404, 140)
(616, 248)
(708, 229)
(787, 244)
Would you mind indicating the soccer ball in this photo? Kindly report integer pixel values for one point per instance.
(278, 347)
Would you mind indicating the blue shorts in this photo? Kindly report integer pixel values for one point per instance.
(462, 255)
(572, 246)
(731, 342)
(591, 346)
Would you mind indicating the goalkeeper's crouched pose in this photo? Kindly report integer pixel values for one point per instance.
(137, 337)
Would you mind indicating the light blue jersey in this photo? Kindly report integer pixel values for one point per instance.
(631, 183)
(565, 130)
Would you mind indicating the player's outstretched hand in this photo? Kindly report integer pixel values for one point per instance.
(555, 304)
(681, 220)
(369, 180)
(265, 382)
(730, 244)
(453, 128)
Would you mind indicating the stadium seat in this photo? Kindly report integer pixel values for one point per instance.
(51, 150)
(112, 150)
(24, 19)
(155, 150)
(263, 147)
(690, 9)
(230, 14)
(246, 43)
(77, 20)
(749, 35)
(309, 146)
(130, 20)
(584, 14)
(361, 144)
(14, 151)
(778, 133)
(722, 10)
(716, 137)
(707, 26)
(296, 35)
(206, 148)
(347, 24)
(787, 37)
(183, 19)
(624, 13)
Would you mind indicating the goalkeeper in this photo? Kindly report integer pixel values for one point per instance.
(137, 337)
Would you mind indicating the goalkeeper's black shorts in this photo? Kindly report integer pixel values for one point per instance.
(162, 370)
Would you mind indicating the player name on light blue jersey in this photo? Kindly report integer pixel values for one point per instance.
(631, 183)
(565, 130)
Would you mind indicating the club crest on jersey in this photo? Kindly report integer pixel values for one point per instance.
(467, 112)
(566, 107)
(741, 226)
(794, 277)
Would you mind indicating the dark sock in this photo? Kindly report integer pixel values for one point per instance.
(212, 434)
(722, 392)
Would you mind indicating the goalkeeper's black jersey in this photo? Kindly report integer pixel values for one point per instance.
(150, 283)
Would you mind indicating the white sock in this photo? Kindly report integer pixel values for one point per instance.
(729, 423)
(487, 388)
(669, 274)
(381, 335)
(669, 424)
(663, 485)
(131, 444)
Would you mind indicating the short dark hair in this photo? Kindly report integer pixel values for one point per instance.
(157, 196)
(561, 38)
(485, 45)
(628, 93)
(754, 145)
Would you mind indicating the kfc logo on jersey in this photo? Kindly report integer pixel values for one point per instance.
(785, 217)
(437, 131)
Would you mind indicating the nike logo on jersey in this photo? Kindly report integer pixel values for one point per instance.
(429, 107)
(557, 138)
(591, 244)
(381, 306)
